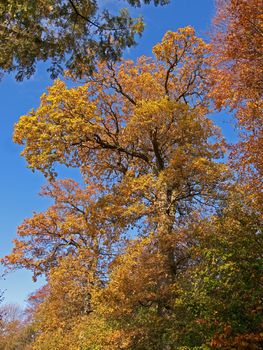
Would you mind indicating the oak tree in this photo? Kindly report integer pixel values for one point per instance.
(147, 155)
(149, 159)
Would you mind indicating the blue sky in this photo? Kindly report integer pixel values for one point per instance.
(19, 187)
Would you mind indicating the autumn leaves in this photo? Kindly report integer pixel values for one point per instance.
(159, 248)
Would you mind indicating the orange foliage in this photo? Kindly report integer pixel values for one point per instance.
(237, 76)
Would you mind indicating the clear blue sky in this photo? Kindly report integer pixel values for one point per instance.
(19, 187)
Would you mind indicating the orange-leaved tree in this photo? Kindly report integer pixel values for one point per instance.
(236, 79)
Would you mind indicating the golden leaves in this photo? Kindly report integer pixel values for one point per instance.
(148, 155)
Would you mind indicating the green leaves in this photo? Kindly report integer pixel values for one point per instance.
(71, 34)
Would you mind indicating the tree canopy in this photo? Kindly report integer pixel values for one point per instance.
(68, 33)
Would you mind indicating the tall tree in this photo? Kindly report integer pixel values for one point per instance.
(64, 31)
(147, 155)
(149, 161)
